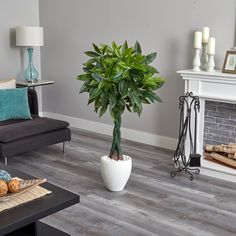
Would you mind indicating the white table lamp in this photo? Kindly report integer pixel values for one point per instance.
(29, 37)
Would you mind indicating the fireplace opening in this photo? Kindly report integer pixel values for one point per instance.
(219, 140)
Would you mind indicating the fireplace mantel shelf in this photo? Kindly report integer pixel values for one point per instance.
(216, 77)
(213, 86)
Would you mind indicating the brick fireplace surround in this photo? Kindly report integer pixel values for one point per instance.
(217, 116)
(219, 123)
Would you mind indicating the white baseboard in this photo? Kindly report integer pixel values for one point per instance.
(130, 134)
(218, 174)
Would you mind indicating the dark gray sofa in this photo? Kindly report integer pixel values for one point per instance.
(18, 136)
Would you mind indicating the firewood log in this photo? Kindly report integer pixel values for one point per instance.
(232, 144)
(220, 148)
(223, 159)
(232, 156)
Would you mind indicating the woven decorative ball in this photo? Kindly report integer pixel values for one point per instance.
(5, 176)
(3, 188)
(14, 185)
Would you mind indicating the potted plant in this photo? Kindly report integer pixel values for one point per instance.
(119, 77)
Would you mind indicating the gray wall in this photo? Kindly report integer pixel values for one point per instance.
(163, 26)
(16, 13)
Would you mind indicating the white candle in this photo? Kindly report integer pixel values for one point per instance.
(205, 34)
(197, 39)
(211, 46)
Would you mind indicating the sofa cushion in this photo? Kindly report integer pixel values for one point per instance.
(14, 104)
(9, 122)
(7, 83)
(39, 125)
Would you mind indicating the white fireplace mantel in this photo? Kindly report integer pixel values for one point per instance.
(213, 86)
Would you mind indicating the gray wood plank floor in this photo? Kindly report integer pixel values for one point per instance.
(152, 203)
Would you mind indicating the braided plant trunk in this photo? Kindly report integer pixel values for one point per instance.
(115, 152)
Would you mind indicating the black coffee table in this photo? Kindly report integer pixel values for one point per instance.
(23, 220)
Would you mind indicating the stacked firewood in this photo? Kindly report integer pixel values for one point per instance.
(224, 153)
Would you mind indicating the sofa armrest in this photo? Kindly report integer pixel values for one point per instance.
(33, 102)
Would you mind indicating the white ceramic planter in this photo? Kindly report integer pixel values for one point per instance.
(115, 174)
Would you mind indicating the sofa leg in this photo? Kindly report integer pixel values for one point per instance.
(5, 161)
(64, 147)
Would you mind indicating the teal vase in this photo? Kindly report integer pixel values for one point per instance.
(30, 73)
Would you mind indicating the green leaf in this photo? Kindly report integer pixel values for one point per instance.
(117, 52)
(136, 73)
(151, 69)
(114, 45)
(96, 109)
(124, 47)
(159, 82)
(158, 98)
(139, 59)
(97, 103)
(113, 100)
(90, 62)
(93, 83)
(83, 77)
(137, 47)
(123, 65)
(104, 48)
(95, 93)
(150, 58)
(92, 54)
(84, 88)
(97, 77)
(112, 113)
(117, 76)
(137, 100)
(122, 87)
(96, 48)
(151, 96)
(109, 49)
(145, 101)
(102, 111)
(139, 67)
(90, 101)
(86, 70)
(101, 84)
(154, 82)
(128, 107)
(134, 106)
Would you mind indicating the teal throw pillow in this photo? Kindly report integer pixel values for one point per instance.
(14, 104)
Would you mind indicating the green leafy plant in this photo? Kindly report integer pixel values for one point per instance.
(119, 77)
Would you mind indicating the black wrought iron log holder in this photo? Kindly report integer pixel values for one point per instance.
(188, 104)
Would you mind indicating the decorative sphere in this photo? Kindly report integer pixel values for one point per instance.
(5, 176)
(3, 188)
(14, 186)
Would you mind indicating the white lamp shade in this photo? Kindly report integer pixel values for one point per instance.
(29, 36)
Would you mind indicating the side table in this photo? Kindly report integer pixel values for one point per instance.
(32, 85)
(23, 83)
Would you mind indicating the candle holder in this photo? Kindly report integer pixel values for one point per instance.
(211, 63)
(196, 60)
(204, 57)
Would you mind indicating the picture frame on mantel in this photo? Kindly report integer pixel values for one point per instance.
(230, 62)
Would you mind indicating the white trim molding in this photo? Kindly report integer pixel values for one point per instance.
(130, 134)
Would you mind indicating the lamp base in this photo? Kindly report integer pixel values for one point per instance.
(30, 73)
